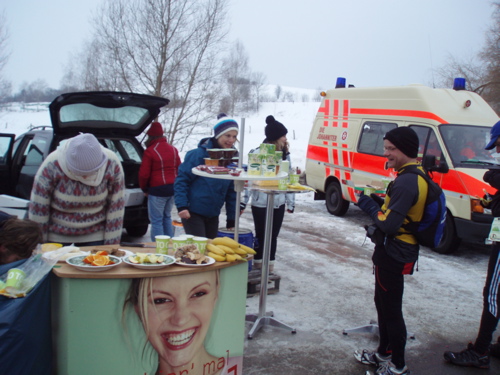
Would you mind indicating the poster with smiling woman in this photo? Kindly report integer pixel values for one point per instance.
(191, 324)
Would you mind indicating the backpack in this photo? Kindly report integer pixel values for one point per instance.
(429, 231)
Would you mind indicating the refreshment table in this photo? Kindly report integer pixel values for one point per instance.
(95, 332)
(267, 318)
(262, 318)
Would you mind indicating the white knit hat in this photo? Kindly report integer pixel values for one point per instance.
(85, 155)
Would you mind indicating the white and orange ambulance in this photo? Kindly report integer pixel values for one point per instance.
(345, 150)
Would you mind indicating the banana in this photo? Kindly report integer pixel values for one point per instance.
(298, 186)
(217, 257)
(226, 249)
(215, 249)
(231, 257)
(238, 257)
(226, 241)
(249, 250)
(240, 251)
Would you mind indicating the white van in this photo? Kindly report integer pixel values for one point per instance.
(345, 151)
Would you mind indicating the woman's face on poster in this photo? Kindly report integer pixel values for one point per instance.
(179, 312)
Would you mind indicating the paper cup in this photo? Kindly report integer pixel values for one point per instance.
(369, 190)
(162, 243)
(294, 179)
(200, 243)
(189, 238)
(178, 242)
(282, 184)
(15, 277)
(2, 285)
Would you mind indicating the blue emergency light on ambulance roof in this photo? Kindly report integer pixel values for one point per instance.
(340, 83)
(459, 84)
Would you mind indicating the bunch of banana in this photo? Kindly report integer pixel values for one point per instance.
(298, 186)
(225, 249)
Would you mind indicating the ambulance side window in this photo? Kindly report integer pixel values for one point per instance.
(371, 140)
(428, 143)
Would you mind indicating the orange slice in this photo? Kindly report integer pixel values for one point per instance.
(89, 259)
(100, 260)
(102, 252)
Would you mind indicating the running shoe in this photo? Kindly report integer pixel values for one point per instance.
(371, 358)
(468, 357)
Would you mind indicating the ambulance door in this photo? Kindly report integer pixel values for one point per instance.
(368, 163)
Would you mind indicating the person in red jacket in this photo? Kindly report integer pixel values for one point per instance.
(157, 174)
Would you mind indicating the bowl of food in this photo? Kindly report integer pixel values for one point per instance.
(228, 153)
(212, 162)
(215, 153)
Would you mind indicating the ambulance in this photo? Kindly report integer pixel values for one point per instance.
(345, 150)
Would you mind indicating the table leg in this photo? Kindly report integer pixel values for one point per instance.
(264, 318)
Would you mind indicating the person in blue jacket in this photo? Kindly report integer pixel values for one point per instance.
(198, 199)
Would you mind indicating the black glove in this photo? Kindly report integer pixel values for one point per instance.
(377, 199)
(230, 224)
(290, 210)
(242, 206)
(368, 205)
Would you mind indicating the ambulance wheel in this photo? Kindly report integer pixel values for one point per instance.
(450, 241)
(335, 204)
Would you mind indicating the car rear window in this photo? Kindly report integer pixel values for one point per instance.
(98, 117)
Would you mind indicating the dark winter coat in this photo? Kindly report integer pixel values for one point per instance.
(203, 195)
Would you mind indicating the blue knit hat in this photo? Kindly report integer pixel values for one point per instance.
(224, 124)
(494, 134)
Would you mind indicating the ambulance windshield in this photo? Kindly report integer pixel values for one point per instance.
(466, 143)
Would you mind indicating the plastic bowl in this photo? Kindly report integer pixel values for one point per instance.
(215, 153)
(212, 162)
(228, 153)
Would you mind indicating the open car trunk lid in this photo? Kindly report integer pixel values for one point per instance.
(104, 112)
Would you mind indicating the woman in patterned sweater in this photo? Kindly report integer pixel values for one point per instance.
(78, 194)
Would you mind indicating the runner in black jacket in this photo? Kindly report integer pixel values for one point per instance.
(478, 354)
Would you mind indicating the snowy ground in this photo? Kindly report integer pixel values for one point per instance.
(327, 282)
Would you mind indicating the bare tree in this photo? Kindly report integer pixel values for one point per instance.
(258, 82)
(165, 48)
(482, 72)
(236, 76)
(5, 86)
(491, 56)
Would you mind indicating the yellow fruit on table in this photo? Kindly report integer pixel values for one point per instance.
(240, 251)
(231, 257)
(217, 257)
(215, 249)
(249, 250)
(226, 249)
(226, 241)
(238, 257)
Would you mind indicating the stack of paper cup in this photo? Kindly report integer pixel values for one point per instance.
(162, 243)
(200, 243)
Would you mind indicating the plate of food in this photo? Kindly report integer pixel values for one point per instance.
(94, 263)
(63, 253)
(190, 256)
(112, 250)
(149, 261)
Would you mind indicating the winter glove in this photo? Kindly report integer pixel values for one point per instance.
(230, 224)
(290, 210)
(377, 199)
(242, 206)
(369, 206)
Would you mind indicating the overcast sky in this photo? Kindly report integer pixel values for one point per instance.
(298, 43)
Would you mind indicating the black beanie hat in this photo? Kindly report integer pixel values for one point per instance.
(405, 139)
(274, 129)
